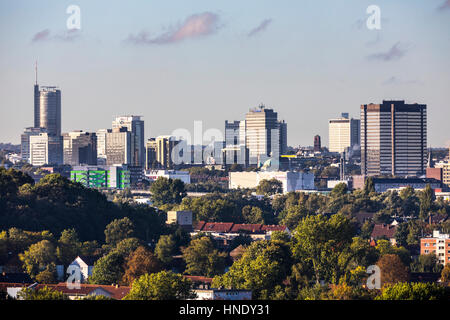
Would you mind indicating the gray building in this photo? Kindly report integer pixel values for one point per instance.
(25, 141)
(45, 149)
(119, 147)
(261, 123)
(135, 125)
(101, 145)
(393, 139)
(282, 126)
(47, 109)
(80, 148)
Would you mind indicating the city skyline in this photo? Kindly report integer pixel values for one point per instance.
(301, 55)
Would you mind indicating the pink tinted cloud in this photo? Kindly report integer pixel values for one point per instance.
(66, 36)
(444, 6)
(195, 26)
(262, 26)
(41, 36)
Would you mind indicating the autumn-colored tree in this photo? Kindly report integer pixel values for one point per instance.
(392, 269)
(445, 275)
(140, 262)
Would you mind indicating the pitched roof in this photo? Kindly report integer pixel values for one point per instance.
(383, 230)
(86, 289)
(273, 228)
(198, 225)
(237, 252)
(254, 228)
(89, 260)
(218, 226)
(199, 279)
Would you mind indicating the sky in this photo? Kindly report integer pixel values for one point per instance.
(179, 61)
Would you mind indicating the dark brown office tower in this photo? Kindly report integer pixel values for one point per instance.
(393, 139)
(317, 144)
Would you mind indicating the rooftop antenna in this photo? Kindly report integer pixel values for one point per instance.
(35, 72)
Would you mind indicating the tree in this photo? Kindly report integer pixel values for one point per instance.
(339, 190)
(401, 234)
(164, 285)
(48, 275)
(426, 202)
(69, 247)
(202, 259)
(253, 215)
(140, 262)
(392, 269)
(445, 274)
(427, 263)
(414, 291)
(166, 191)
(108, 269)
(165, 249)
(118, 230)
(321, 241)
(38, 257)
(269, 187)
(263, 266)
(369, 186)
(44, 293)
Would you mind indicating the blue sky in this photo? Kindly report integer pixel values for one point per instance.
(310, 60)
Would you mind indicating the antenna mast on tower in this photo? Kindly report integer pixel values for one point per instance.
(35, 72)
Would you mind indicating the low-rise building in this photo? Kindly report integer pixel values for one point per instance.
(75, 292)
(291, 181)
(384, 184)
(182, 217)
(223, 294)
(86, 266)
(153, 175)
(113, 177)
(384, 231)
(438, 244)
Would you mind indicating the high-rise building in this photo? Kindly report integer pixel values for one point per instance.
(25, 141)
(151, 150)
(45, 149)
(79, 148)
(261, 123)
(47, 109)
(135, 125)
(101, 145)
(235, 150)
(165, 146)
(317, 144)
(393, 139)
(42, 144)
(119, 147)
(232, 133)
(343, 133)
(282, 126)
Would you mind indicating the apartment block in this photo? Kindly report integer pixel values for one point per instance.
(438, 244)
